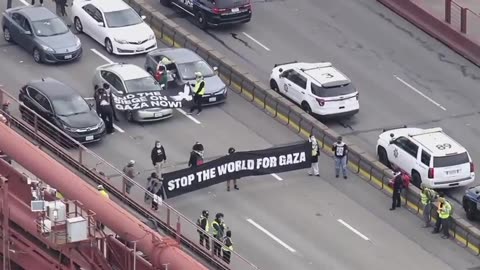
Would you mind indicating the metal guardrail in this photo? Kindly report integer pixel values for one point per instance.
(166, 218)
(252, 89)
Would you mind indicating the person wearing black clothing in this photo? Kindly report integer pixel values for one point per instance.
(103, 103)
(196, 156)
(152, 181)
(397, 185)
(231, 150)
(227, 250)
(159, 157)
(340, 152)
(219, 228)
(33, 2)
(202, 222)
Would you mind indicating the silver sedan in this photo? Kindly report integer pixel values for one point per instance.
(128, 78)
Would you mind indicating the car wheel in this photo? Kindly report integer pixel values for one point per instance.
(6, 35)
(416, 179)
(306, 107)
(201, 20)
(108, 46)
(166, 3)
(383, 157)
(37, 57)
(274, 86)
(130, 117)
(78, 25)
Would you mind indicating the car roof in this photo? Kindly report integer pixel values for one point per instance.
(34, 13)
(126, 71)
(434, 140)
(109, 5)
(52, 88)
(178, 55)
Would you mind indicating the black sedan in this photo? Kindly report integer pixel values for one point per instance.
(62, 107)
(41, 33)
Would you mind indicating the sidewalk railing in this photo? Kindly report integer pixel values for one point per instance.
(53, 140)
(462, 18)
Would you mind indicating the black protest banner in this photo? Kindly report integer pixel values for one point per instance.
(146, 100)
(238, 165)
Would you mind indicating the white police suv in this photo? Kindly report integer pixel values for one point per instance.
(429, 155)
(319, 88)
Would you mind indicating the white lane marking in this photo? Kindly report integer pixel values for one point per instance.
(271, 235)
(420, 93)
(25, 2)
(102, 56)
(189, 116)
(256, 41)
(89, 98)
(353, 229)
(118, 128)
(277, 177)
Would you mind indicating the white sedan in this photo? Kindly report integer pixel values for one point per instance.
(115, 25)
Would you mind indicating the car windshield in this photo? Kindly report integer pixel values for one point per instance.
(142, 85)
(452, 160)
(333, 91)
(187, 70)
(122, 18)
(49, 27)
(70, 105)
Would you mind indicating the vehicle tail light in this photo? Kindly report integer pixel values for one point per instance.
(431, 173)
(357, 96)
(219, 10)
(472, 167)
(321, 102)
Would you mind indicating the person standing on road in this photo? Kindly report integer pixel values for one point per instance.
(198, 93)
(196, 156)
(428, 197)
(315, 154)
(444, 212)
(231, 150)
(228, 247)
(150, 180)
(203, 223)
(131, 172)
(159, 157)
(103, 103)
(33, 2)
(219, 228)
(397, 185)
(340, 152)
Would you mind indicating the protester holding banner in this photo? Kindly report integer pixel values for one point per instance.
(159, 157)
(152, 181)
(315, 154)
(196, 156)
(231, 150)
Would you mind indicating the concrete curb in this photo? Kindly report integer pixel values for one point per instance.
(436, 28)
(246, 84)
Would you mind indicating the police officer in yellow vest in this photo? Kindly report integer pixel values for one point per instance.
(102, 191)
(228, 248)
(428, 197)
(199, 91)
(219, 228)
(202, 222)
(443, 220)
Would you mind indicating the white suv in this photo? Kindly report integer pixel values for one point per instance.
(319, 88)
(429, 155)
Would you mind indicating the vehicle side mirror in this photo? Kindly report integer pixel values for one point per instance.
(28, 33)
(143, 17)
(100, 24)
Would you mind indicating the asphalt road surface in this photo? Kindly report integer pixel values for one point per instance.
(287, 222)
(404, 76)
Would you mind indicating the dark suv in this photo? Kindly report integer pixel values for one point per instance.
(214, 12)
(471, 202)
(64, 108)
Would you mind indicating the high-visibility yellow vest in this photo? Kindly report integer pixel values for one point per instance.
(427, 196)
(207, 226)
(444, 212)
(59, 195)
(214, 230)
(198, 91)
(228, 244)
(104, 194)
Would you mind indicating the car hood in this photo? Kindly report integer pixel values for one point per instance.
(65, 41)
(132, 33)
(83, 120)
(214, 84)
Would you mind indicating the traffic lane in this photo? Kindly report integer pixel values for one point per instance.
(303, 213)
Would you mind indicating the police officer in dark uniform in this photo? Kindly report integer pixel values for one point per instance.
(103, 103)
(397, 185)
(228, 247)
(203, 223)
(219, 227)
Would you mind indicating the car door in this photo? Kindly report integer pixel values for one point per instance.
(296, 85)
(116, 84)
(29, 36)
(284, 83)
(90, 22)
(403, 153)
(41, 104)
(19, 27)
